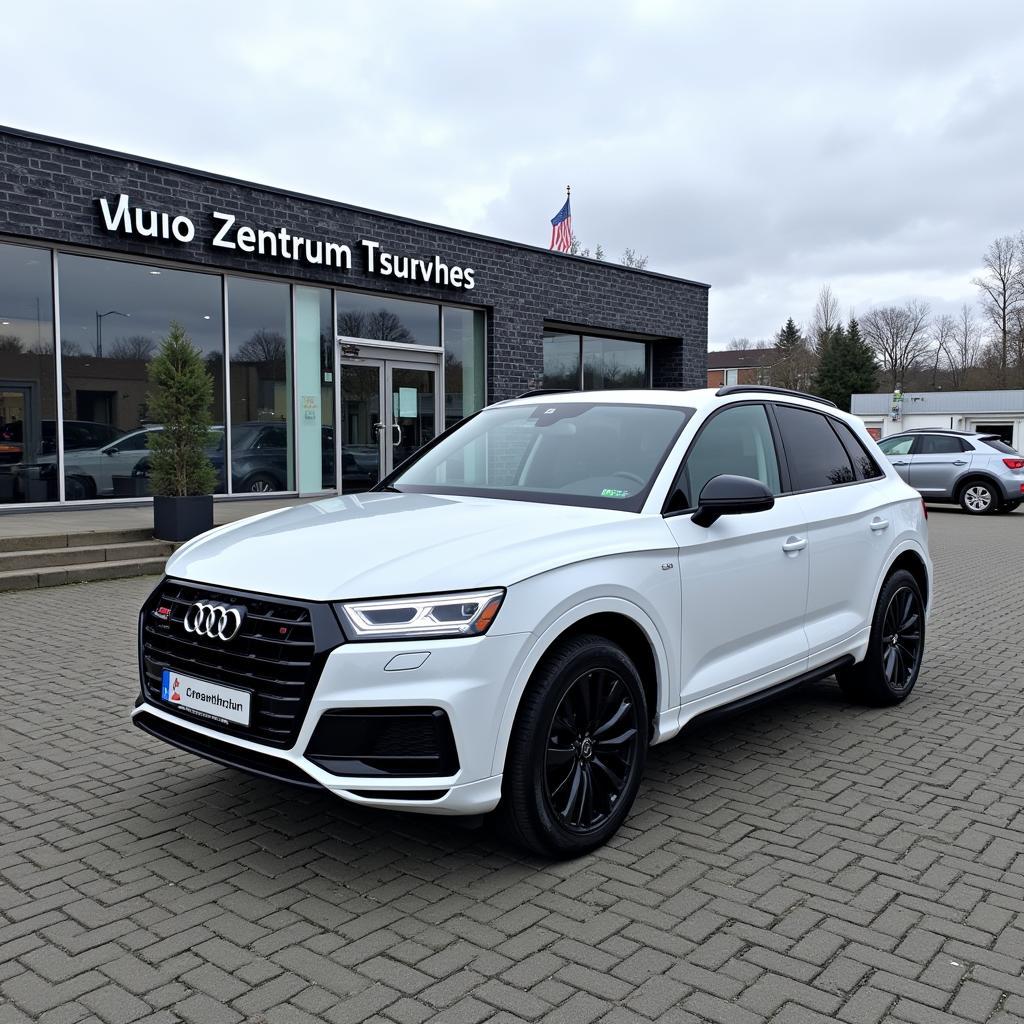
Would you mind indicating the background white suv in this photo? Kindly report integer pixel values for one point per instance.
(516, 613)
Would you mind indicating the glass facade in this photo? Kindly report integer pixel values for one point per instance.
(274, 413)
(464, 376)
(28, 385)
(382, 318)
(113, 315)
(585, 362)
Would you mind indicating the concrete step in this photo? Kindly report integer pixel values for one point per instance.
(55, 576)
(67, 556)
(87, 538)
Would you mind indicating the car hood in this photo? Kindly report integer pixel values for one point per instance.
(382, 544)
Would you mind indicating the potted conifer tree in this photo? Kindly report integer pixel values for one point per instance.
(181, 475)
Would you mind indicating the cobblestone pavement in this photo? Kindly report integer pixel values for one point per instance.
(805, 861)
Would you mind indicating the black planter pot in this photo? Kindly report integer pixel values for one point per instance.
(182, 518)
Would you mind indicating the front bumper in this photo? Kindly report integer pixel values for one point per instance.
(469, 679)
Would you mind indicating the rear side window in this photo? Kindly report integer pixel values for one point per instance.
(737, 441)
(815, 456)
(865, 466)
(939, 444)
(999, 445)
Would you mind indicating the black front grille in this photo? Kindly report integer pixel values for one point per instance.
(277, 656)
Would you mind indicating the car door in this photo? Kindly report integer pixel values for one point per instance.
(831, 473)
(744, 578)
(897, 451)
(937, 462)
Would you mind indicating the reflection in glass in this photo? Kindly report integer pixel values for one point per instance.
(113, 316)
(260, 349)
(28, 405)
(611, 363)
(314, 378)
(463, 363)
(361, 426)
(382, 318)
(412, 411)
(562, 361)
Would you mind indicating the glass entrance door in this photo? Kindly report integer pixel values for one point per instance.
(389, 409)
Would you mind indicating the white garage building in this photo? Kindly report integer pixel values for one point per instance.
(991, 412)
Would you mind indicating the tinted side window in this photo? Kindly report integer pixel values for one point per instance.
(938, 444)
(736, 441)
(999, 445)
(815, 456)
(866, 467)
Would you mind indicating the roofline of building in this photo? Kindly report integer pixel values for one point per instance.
(227, 179)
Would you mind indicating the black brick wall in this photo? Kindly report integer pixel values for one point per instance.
(49, 191)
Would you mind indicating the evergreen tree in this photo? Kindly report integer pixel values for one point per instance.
(789, 339)
(180, 401)
(846, 365)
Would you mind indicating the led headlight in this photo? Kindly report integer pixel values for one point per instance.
(469, 613)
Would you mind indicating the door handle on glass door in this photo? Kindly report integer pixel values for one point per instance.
(794, 544)
(879, 524)
(398, 427)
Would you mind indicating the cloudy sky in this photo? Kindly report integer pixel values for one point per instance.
(765, 148)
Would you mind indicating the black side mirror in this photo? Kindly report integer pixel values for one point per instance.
(728, 495)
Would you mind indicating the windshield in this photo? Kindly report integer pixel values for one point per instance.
(571, 453)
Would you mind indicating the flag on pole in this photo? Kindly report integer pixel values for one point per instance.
(561, 229)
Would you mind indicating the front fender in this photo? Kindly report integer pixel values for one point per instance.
(657, 619)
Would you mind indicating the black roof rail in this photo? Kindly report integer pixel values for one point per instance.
(537, 392)
(744, 389)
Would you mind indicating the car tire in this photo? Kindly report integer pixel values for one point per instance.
(979, 498)
(895, 649)
(261, 483)
(577, 750)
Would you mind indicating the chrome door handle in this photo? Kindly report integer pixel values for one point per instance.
(398, 427)
(794, 544)
(901, 463)
(960, 462)
(377, 428)
(879, 524)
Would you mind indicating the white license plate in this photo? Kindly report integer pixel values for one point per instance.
(210, 699)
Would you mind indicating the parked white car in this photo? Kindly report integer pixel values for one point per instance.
(512, 617)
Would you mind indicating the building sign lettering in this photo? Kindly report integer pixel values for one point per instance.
(280, 243)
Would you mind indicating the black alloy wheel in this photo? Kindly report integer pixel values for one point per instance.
(896, 646)
(577, 750)
(592, 743)
(902, 639)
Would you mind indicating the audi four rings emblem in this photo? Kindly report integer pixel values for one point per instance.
(217, 621)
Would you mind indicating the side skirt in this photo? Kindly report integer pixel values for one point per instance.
(753, 699)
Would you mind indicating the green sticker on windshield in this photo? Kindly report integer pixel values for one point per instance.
(614, 492)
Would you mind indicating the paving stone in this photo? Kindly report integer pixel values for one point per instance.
(803, 861)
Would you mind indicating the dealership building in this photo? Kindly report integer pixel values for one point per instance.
(338, 339)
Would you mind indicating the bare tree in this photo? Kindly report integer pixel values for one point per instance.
(1002, 293)
(138, 346)
(943, 333)
(262, 347)
(10, 344)
(899, 337)
(631, 258)
(826, 317)
(960, 346)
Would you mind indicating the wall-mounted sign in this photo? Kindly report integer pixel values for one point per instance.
(282, 244)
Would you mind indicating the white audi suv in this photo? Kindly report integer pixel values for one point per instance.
(510, 620)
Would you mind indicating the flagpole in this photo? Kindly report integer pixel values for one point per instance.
(568, 190)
